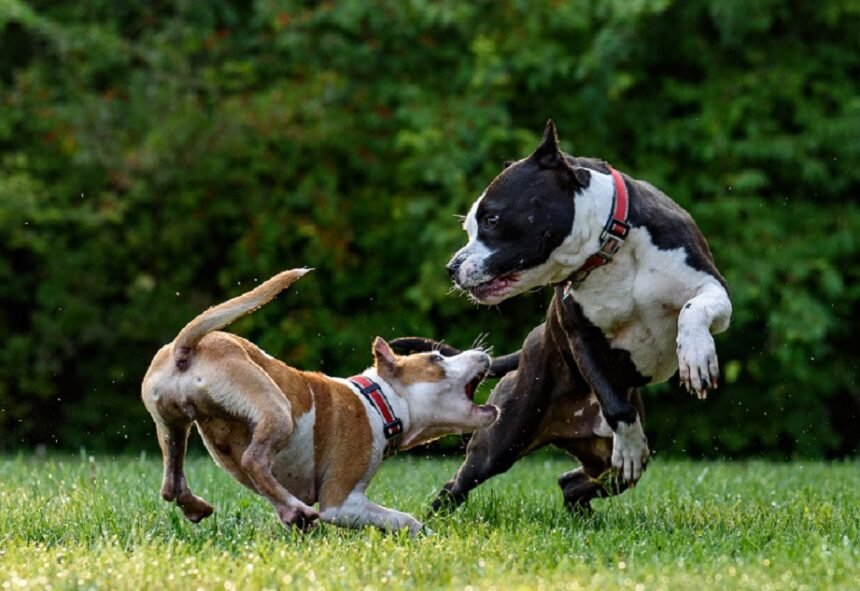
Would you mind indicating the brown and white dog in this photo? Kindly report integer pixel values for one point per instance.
(299, 438)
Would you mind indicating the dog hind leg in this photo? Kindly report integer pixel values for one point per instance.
(594, 479)
(246, 388)
(173, 439)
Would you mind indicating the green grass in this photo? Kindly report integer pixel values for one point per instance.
(81, 523)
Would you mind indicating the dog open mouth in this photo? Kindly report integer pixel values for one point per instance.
(494, 287)
(472, 385)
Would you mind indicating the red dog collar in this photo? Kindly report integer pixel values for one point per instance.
(392, 426)
(611, 238)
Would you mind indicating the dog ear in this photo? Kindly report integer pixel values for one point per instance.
(580, 175)
(382, 353)
(547, 153)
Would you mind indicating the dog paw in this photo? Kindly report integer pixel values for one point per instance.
(426, 531)
(447, 501)
(193, 507)
(629, 451)
(416, 528)
(301, 517)
(697, 362)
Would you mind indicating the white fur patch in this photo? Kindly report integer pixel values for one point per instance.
(294, 465)
(461, 368)
(222, 388)
(357, 511)
(705, 314)
(636, 300)
(471, 271)
(470, 224)
(593, 205)
(629, 450)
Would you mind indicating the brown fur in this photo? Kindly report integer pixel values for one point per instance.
(343, 460)
(411, 370)
(244, 416)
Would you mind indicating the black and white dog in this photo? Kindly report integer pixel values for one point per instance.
(637, 296)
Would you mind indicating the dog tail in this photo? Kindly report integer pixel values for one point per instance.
(217, 317)
(504, 364)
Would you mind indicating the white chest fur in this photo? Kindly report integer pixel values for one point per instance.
(294, 466)
(636, 299)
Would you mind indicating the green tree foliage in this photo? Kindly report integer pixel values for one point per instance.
(156, 158)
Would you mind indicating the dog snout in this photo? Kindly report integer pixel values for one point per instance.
(453, 267)
(481, 360)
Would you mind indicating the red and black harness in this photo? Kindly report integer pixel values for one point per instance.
(611, 238)
(392, 427)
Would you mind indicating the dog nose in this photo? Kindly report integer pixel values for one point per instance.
(454, 266)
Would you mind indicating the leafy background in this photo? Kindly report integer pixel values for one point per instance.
(158, 157)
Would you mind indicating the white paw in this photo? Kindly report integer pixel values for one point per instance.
(629, 451)
(424, 531)
(415, 527)
(697, 361)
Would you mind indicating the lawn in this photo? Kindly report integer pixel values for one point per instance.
(98, 523)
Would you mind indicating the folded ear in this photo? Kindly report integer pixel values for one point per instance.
(581, 175)
(382, 353)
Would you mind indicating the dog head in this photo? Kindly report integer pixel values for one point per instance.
(438, 390)
(517, 225)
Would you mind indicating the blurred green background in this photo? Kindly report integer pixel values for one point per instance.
(159, 157)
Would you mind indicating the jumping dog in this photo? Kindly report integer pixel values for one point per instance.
(637, 296)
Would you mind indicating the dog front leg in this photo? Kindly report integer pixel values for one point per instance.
(359, 511)
(706, 314)
(629, 445)
(522, 398)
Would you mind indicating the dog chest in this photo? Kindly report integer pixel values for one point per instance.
(635, 302)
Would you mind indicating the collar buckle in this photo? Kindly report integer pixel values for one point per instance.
(393, 428)
(612, 238)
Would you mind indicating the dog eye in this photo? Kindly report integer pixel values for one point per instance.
(490, 221)
(436, 358)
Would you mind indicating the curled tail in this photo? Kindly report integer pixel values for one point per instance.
(217, 317)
